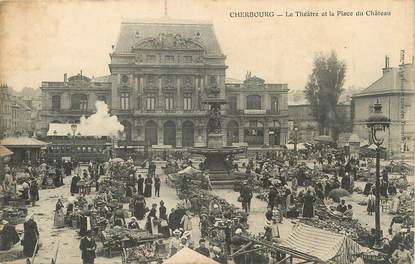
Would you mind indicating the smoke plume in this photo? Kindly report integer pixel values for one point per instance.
(101, 123)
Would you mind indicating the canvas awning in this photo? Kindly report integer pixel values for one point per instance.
(189, 170)
(22, 142)
(322, 245)
(300, 146)
(324, 139)
(4, 152)
(189, 256)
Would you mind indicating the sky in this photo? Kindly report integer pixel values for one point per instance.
(42, 40)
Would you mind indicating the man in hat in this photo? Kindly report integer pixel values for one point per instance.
(88, 247)
(202, 249)
(246, 196)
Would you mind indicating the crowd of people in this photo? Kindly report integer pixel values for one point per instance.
(292, 185)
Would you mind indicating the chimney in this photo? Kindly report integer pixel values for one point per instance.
(65, 78)
(387, 68)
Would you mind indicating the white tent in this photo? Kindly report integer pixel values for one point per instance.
(300, 146)
(189, 170)
(189, 256)
(322, 245)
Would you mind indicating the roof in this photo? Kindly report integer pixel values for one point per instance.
(15, 142)
(5, 151)
(322, 244)
(136, 31)
(101, 79)
(233, 81)
(189, 256)
(64, 130)
(390, 81)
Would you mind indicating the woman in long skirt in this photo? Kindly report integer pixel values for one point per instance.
(31, 237)
(152, 221)
(148, 184)
(59, 218)
(371, 200)
(139, 207)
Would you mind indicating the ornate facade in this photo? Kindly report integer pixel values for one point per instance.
(67, 101)
(161, 71)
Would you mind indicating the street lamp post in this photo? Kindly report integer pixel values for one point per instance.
(377, 123)
(73, 128)
(295, 139)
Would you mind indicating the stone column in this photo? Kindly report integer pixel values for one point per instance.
(179, 133)
(266, 133)
(160, 95)
(160, 134)
(179, 96)
(241, 133)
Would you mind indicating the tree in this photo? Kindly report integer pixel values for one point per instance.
(323, 90)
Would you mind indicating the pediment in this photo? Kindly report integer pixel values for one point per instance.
(168, 41)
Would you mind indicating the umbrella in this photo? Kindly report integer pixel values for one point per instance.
(336, 194)
(189, 256)
(324, 139)
(117, 160)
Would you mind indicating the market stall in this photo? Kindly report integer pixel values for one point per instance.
(323, 246)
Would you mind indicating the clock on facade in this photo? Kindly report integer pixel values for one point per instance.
(124, 78)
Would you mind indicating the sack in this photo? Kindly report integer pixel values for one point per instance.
(163, 223)
(240, 199)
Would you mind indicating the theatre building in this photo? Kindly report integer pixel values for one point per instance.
(160, 71)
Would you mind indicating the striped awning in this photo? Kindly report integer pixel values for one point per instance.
(322, 244)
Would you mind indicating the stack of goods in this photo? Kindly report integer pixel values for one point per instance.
(145, 253)
(14, 215)
(118, 233)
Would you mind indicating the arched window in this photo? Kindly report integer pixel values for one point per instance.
(56, 103)
(79, 102)
(253, 102)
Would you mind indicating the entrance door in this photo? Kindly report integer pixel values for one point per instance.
(169, 131)
(188, 134)
(151, 132)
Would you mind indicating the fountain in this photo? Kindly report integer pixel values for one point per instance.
(215, 153)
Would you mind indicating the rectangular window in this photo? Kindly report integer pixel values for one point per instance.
(125, 101)
(274, 104)
(187, 59)
(83, 104)
(169, 59)
(232, 103)
(253, 102)
(151, 102)
(169, 101)
(187, 102)
(151, 58)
